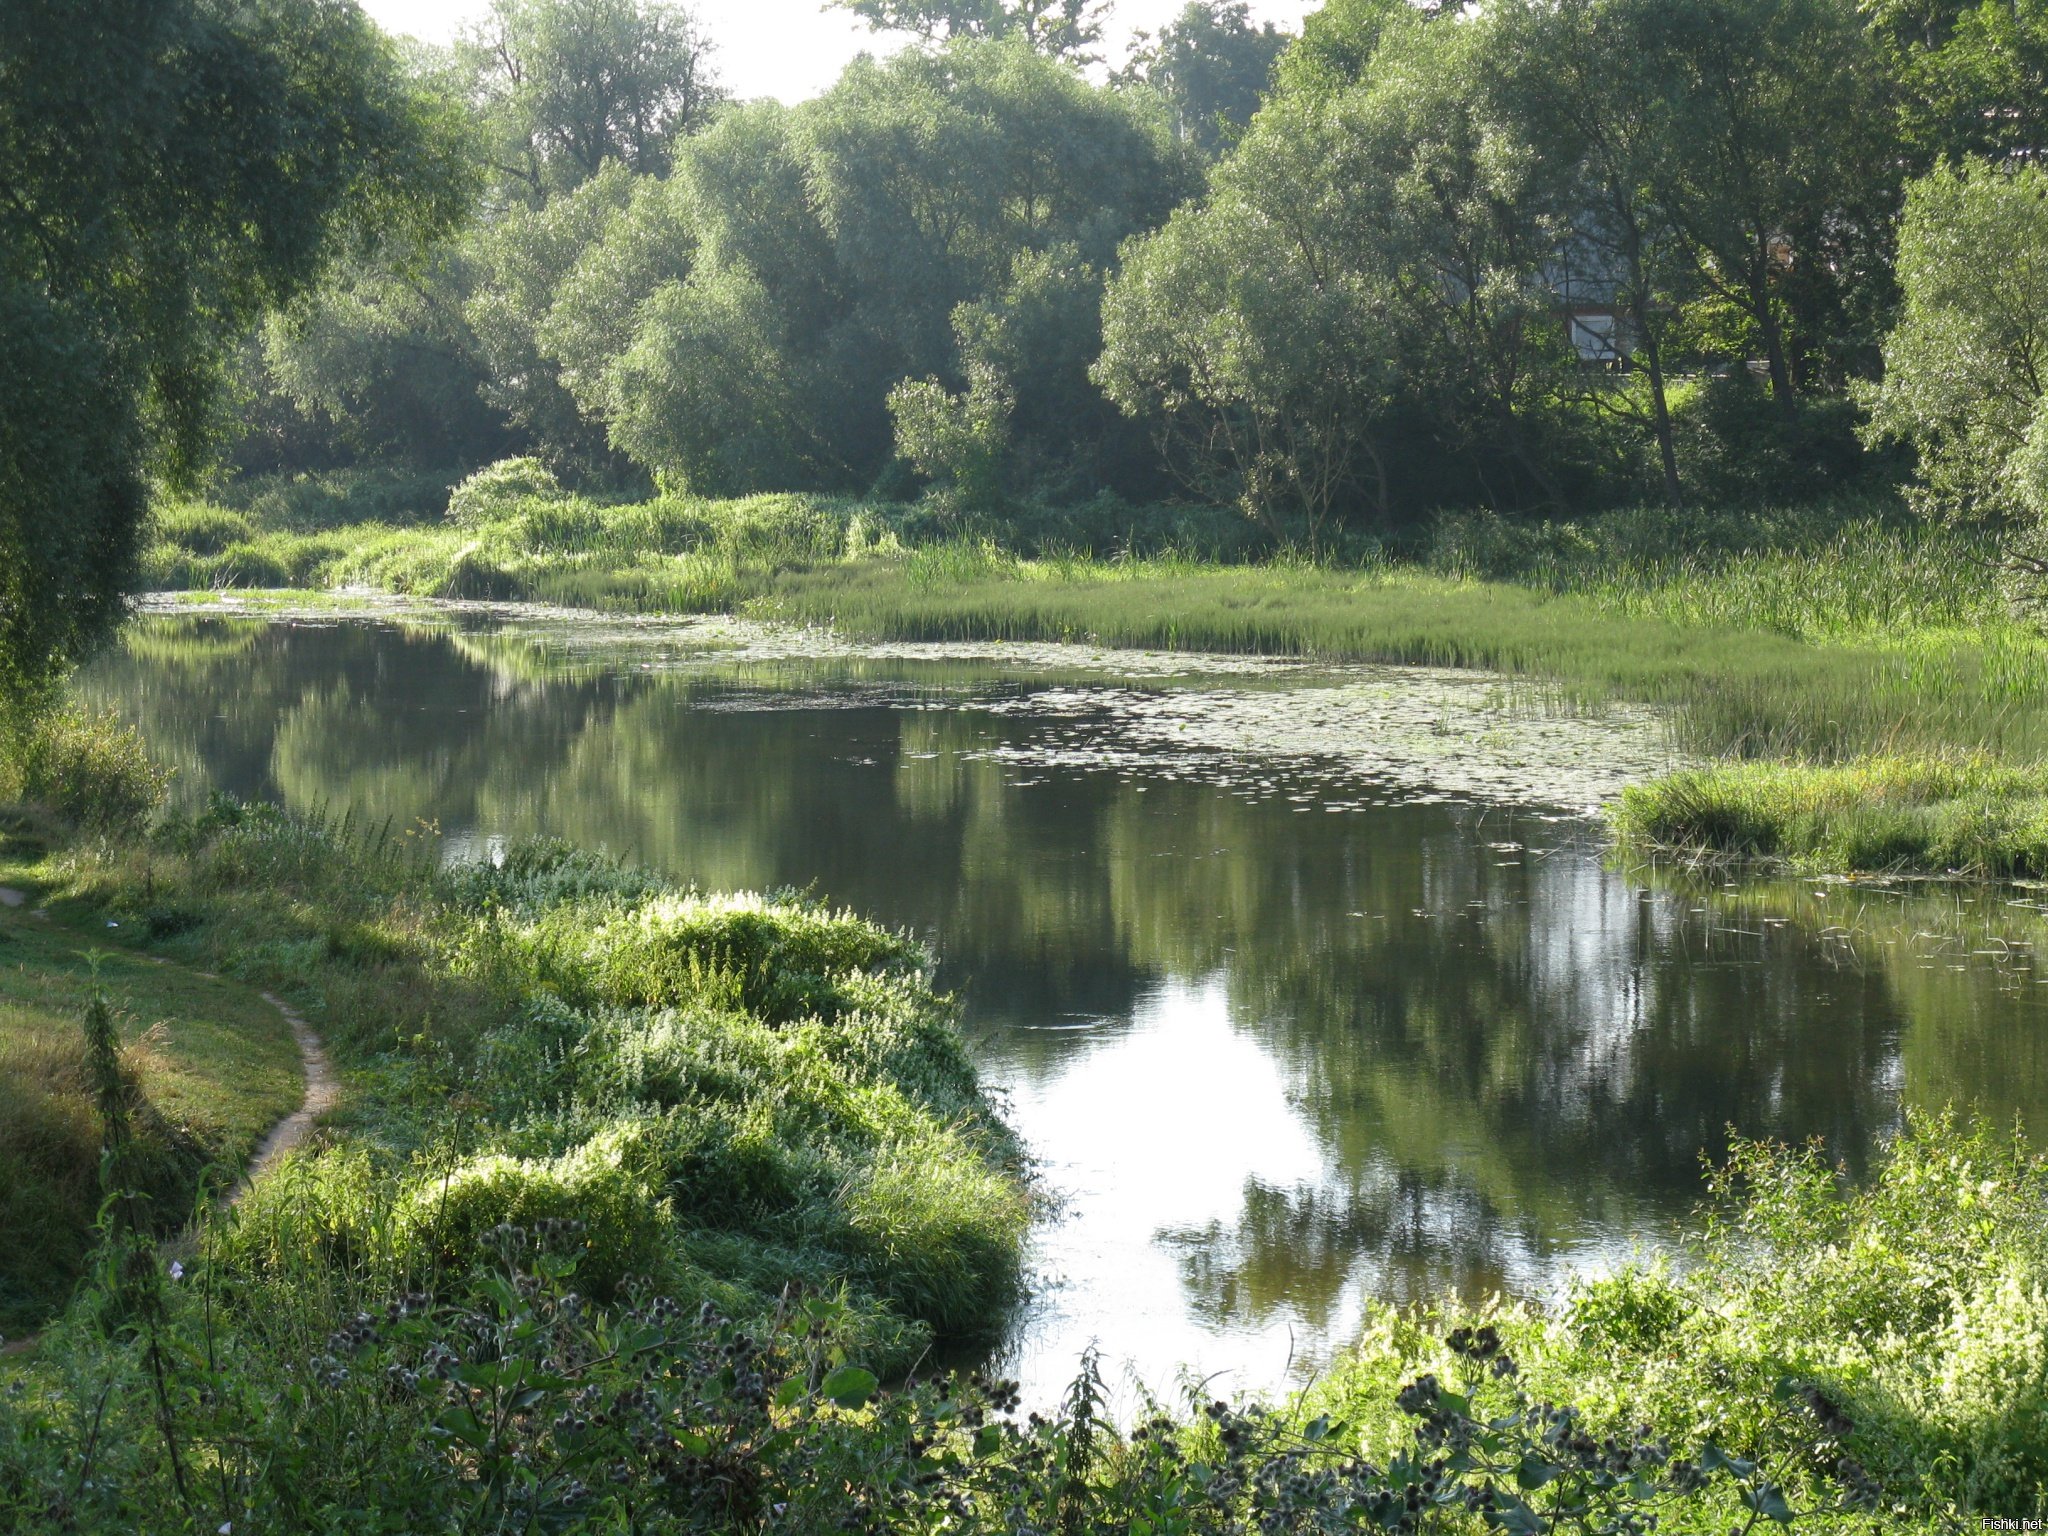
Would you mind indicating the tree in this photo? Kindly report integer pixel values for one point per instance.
(841, 239)
(1766, 133)
(1373, 252)
(699, 324)
(1966, 370)
(1212, 65)
(169, 169)
(571, 84)
(384, 359)
(1567, 73)
(1065, 29)
(1972, 74)
(713, 398)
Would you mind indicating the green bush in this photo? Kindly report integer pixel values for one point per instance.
(603, 1189)
(326, 1211)
(498, 490)
(90, 769)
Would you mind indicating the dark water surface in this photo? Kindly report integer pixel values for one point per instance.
(1282, 1040)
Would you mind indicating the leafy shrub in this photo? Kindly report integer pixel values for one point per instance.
(1735, 445)
(90, 769)
(443, 1221)
(957, 441)
(500, 489)
(326, 1210)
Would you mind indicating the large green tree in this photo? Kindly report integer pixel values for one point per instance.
(1068, 29)
(1361, 301)
(932, 217)
(1972, 74)
(1769, 152)
(435, 355)
(1566, 73)
(1966, 370)
(568, 85)
(169, 169)
(1213, 64)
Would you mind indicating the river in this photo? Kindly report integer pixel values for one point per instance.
(1304, 985)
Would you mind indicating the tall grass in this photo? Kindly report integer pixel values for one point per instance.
(1809, 636)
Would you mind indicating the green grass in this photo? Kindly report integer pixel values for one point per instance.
(1811, 639)
(726, 1090)
(215, 1064)
(1883, 814)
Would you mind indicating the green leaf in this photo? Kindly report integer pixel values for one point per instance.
(1768, 1500)
(790, 1392)
(1535, 1472)
(850, 1386)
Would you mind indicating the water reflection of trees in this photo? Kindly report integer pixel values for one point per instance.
(1503, 1054)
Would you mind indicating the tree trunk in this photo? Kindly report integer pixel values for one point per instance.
(1774, 343)
(1660, 405)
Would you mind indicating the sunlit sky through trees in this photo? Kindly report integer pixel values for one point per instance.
(791, 48)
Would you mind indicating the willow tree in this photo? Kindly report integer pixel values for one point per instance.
(169, 169)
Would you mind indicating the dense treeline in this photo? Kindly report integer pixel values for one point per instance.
(1528, 256)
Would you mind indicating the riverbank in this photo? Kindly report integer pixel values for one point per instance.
(754, 1082)
(740, 1132)
(1844, 647)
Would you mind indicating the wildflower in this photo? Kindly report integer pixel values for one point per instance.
(178, 1273)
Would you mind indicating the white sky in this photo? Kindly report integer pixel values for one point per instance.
(790, 48)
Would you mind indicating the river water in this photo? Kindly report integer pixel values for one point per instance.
(1304, 986)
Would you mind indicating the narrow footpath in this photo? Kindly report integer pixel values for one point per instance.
(323, 1093)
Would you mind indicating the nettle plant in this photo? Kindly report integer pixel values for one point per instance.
(556, 1416)
(525, 1408)
(1485, 1457)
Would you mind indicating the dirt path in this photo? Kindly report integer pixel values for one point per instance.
(323, 1093)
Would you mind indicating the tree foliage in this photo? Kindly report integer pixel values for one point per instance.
(168, 171)
(841, 240)
(1066, 29)
(569, 85)
(1966, 370)
(1213, 65)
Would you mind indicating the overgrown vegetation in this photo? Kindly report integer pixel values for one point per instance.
(731, 1094)
(642, 1196)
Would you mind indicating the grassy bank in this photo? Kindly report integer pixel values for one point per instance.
(211, 1065)
(731, 1094)
(1843, 638)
